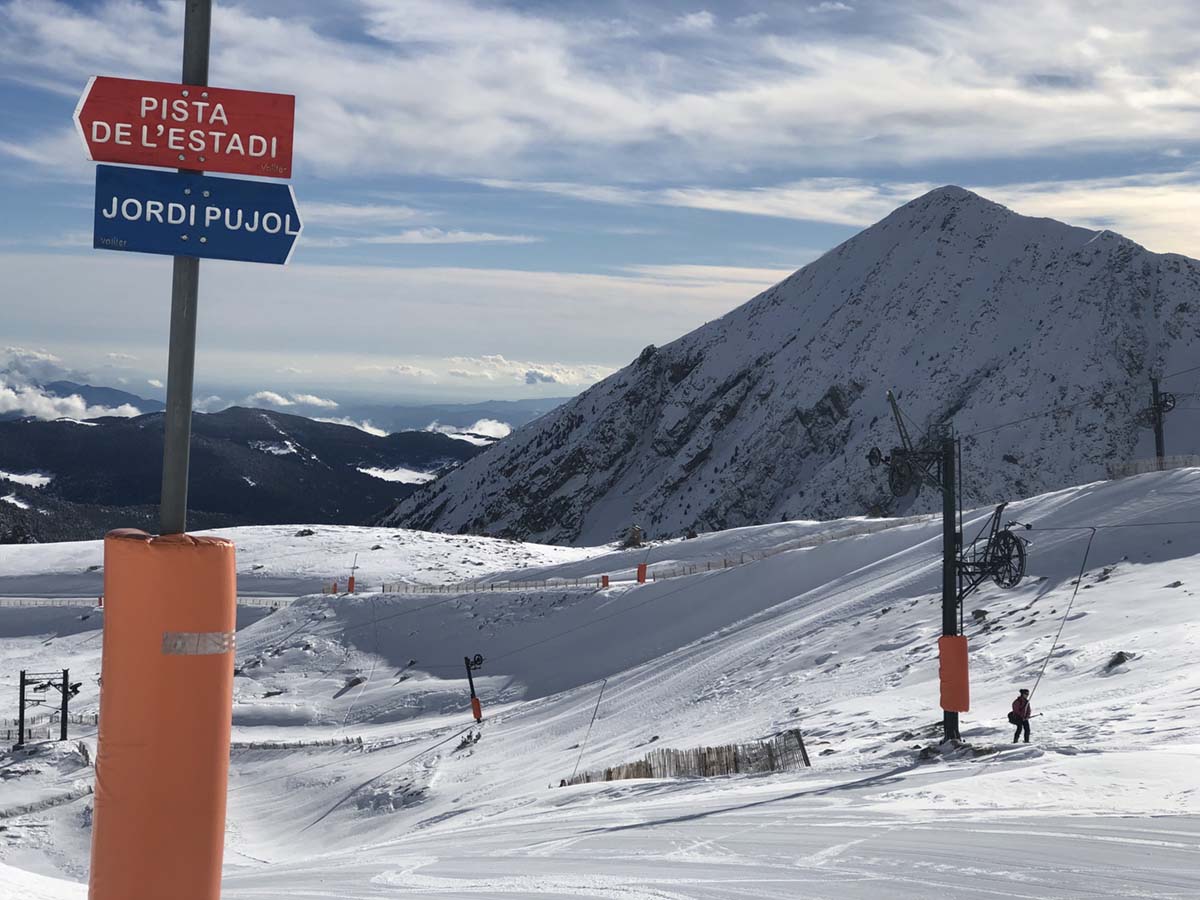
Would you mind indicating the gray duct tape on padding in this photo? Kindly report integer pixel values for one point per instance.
(198, 643)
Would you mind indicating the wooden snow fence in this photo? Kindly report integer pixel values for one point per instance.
(1142, 466)
(782, 752)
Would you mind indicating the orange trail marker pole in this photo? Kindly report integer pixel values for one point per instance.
(641, 573)
(950, 590)
(472, 664)
(953, 675)
(166, 705)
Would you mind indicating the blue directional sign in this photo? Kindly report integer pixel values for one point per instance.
(149, 211)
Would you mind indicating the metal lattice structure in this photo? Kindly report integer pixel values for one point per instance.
(911, 464)
(1000, 556)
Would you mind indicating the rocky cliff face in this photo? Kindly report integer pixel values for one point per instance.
(973, 314)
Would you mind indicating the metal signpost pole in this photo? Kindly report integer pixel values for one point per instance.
(1156, 410)
(66, 701)
(21, 714)
(158, 822)
(185, 287)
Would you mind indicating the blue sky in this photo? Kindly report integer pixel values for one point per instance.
(510, 200)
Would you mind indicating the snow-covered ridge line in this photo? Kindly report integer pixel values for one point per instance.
(30, 479)
(400, 474)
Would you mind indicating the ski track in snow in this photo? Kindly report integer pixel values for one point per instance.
(835, 637)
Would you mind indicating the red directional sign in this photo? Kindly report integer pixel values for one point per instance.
(185, 126)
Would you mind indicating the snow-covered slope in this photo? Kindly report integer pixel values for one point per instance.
(291, 560)
(974, 314)
(837, 638)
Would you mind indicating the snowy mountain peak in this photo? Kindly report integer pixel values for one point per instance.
(949, 194)
(931, 208)
(972, 313)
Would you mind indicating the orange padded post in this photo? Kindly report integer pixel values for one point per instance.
(956, 687)
(166, 701)
(350, 585)
(641, 573)
(603, 581)
(476, 709)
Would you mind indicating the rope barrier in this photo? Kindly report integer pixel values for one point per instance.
(583, 746)
(1063, 623)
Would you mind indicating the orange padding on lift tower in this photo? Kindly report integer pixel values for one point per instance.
(166, 701)
(476, 709)
(956, 685)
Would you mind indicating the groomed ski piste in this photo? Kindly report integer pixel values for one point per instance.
(357, 771)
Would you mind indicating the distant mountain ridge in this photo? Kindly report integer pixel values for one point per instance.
(94, 395)
(248, 466)
(974, 314)
(405, 416)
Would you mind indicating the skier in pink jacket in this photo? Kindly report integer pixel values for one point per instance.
(1022, 712)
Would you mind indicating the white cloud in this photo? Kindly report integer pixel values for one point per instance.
(701, 20)
(829, 6)
(273, 398)
(593, 193)
(491, 428)
(483, 432)
(342, 215)
(401, 370)
(269, 397)
(155, 383)
(838, 201)
(456, 87)
(208, 404)
(30, 400)
(495, 366)
(1156, 209)
(421, 236)
(121, 357)
(32, 365)
(363, 425)
(750, 20)
(752, 279)
(352, 316)
(459, 23)
(313, 400)
(438, 236)
(56, 155)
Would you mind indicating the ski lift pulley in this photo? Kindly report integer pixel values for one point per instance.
(1000, 556)
(1007, 556)
(902, 476)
